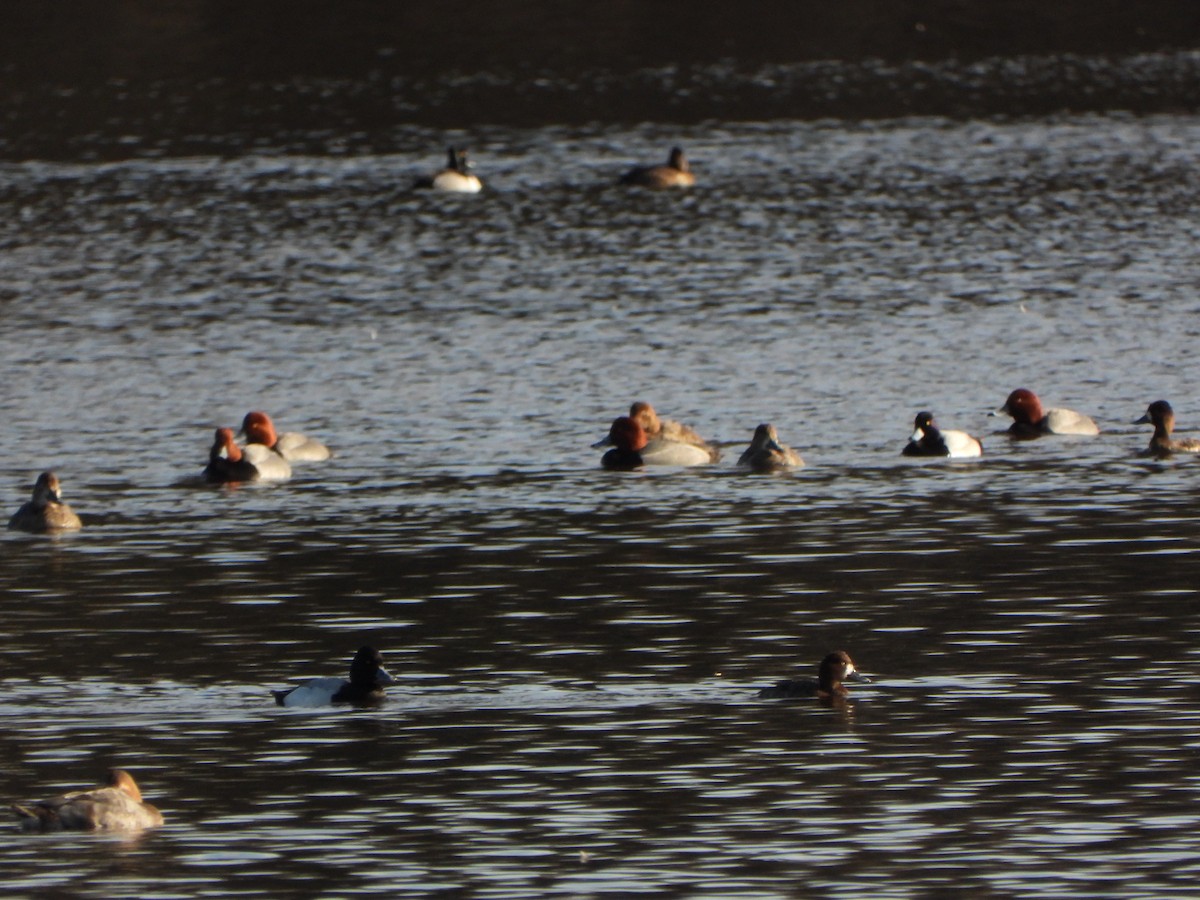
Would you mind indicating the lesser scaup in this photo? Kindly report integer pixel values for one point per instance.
(292, 446)
(834, 669)
(929, 440)
(45, 511)
(766, 454)
(117, 806)
(368, 678)
(1030, 420)
(1162, 416)
(676, 173)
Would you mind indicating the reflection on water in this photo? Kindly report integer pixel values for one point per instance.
(578, 650)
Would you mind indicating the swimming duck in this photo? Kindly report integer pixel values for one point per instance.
(116, 806)
(368, 678)
(229, 463)
(632, 450)
(1030, 420)
(929, 440)
(834, 669)
(667, 429)
(456, 177)
(766, 454)
(1160, 414)
(676, 173)
(291, 445)
(46, 511)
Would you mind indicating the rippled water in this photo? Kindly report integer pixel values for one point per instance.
(579, 650)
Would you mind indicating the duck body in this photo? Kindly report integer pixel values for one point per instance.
(668, 430)
(368, 678)
(45, 511)
(834, 669)
(230, 464)
(675, 174)
(1030, 420)
(929, 440)
(1162, 416)
(767, 454)
(291, 445)
(117, 806)
(631, 449)
(456, 178)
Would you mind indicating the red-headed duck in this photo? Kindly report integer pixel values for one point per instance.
(291, 445)
(46, 511)
(117, 806)
(1030, 420)
(632, 450)
(1160, 414)
(368, 678)
(676, 173)
(229, 463)
(667, 429)
(766, 454)
(456, 178)
(834, 669)
(929, 440)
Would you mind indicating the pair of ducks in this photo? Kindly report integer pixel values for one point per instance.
(265, 457)
(117, 805)
(642, 438)
(458, 178)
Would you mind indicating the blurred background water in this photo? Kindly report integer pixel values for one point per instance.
(578, 651)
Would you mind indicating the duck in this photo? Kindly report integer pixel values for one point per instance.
(291, 445)
(631, 449)
(929, 440)
(835, 668)
(45, 512)
(456, 178)
(116, 805)
(230, 464)
(1030, 420)
(766, 454)
(668, 429)
(676, 173)
(368, 678)
(1162, 416)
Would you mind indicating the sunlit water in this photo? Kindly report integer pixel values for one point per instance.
(579, 650)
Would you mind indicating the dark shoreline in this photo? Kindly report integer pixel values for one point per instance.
(88, 80)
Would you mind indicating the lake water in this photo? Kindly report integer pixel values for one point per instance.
(578, 651)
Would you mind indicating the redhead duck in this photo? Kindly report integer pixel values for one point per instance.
(1160, 414)
(929, 440)
(229, 463)
(766, 454)
(676, 173)
(456, 178)
(667, 429)
(1030, 420)
(368, 678)
(116, 806)
(632, 450)
(46, 511)
(291, 445)
(834, 669)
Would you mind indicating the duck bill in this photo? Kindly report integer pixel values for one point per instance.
(605, 441)
(1144, 420)
(857, 677)
(920, 433)
(382, 678)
